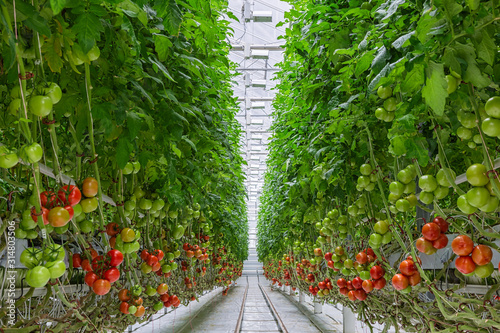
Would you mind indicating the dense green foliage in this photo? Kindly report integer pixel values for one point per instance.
(338, 54)
(142, 81)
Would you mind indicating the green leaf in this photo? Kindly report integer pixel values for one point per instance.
(414, 79)
(415, 149)
(134, 123)
(427, 22)
(451, 7)
(380, 59)
(51, 50)
(171, 13)
(435, 92)
(473, 4)
(123, 151)
(34, 21)
(162, 46)
(363, 63)
(88, 30)
(176, 150)
(389, 8)
(485, 46)
(402, 41)
(57, 5)
(161, 67)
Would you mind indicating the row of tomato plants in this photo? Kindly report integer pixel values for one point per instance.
(382, 165)
(119, 157)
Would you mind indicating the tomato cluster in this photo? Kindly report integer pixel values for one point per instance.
(434, 236)
(43, 265)
(409, 276)
(472, 259)
(102, 271)
(59, 208)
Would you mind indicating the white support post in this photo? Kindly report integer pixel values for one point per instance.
(302, 298)
(318, 307)
(292, 293)
(348, 320)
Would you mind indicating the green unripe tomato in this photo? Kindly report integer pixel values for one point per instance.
(54, 92)
(464, 133)
(389, 117)
(452, 84)
(441, 192)
(145, 204)
(478, 196)
(491, 206)
(390, 104)
(403, 205)
(387, 238)
(427, 183)
(441, 177)
(491, 127)
(20, 233)
(427, 197)
(8, 159)
(128, 169)
(40, 106)
(384, 92)
(366, 169)
(464, 205)
(492, 107)
(476, 175)
(380, 113)
(396, 188)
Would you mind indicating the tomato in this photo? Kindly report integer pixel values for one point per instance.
(145, 204)
(56, 268)
(156, 267)
(124, 306)
(159, 254)
(390, 104)
(137, 301)
(112, 274)
(478, 196)
(127, 234)
(367, 286)
(464, 205)
(484, 271)
(426, 197)
(139, 193)
(54, 252)
(482, 255)
(153, 260)
(465, 264)
(124, 295)
(77, 260)
(53, 91)
(452, 84)
(379, 284)
(94, 53)
(31, 257)
(86, 226)
(40, 105)
(441, 223)
(377, 272)
(114, 257)
(462, 245)
(89, 187)
(136, 290)
(414, 279)
(90, 278)
(145, 268)
(476, 175)
(38, 276)
(427, 183)
(492, 107)
(33, 153)
(361, 258)
(491, 205)
(407, 267)
(89, 205)
(360, 294)
(441, 242)
(491, 127)
(101, 287)
(158, 204)
(58, 217)
(132, 309)
(48, 199)
(381, 227)
(384, 92)
(431, 231)
(99, 265)
(86, 265)
(162, 288)
(145, 255)
(357, 282)
(158, 306)
(351, 295)
(178, 231)
(112, 229)
(69, 195)
(128, 169)
(375, 240)
(400, 282)
(140, 311)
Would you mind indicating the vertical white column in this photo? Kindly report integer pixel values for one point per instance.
(318, 307)
(348, 321)
(302, 298)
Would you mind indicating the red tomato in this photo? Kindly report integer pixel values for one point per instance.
(379, 284)
(48, 199)
(77, 260)
(93, 253)
(407, 267)
(351, 295)
(341, 283)
(431, 231)
(145, 255)
(112, 229)
(99, 265)
(357, 282)
(70, 211)
(349, 285)
(124, 307)
(361, 258)
(443, 225)
(441, 242)
(162, 288)
(344, 291)
(86, 265)
(45, 215)
(328, 256)
(152, 260)
(369, 251)
(164, 297)
(376, 272)
(112, 274)
(367, 286)
(101, 287)
(159, 254)
(90, 278)
(69, 195)
(124, 295)
(481, 255)
(465, 264)
(114, 257)
(58, 217)
(322, 285)
(400, 282)
(330, 264)
(462, 245)
(414, 279)
(360, 294)
(112, 242)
